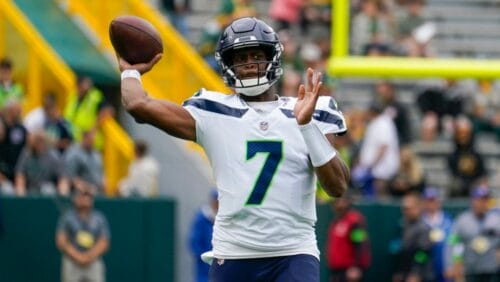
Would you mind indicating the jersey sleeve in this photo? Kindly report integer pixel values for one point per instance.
(328, 117)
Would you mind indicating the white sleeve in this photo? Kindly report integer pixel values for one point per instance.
(197, 113)
(328, 117)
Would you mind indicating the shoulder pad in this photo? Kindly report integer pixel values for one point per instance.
(327, 111)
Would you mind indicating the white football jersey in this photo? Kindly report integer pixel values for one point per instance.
(262, 170)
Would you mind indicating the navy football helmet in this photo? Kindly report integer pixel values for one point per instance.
(247, 33)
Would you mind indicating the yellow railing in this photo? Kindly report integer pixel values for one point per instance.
(32, 56)
(178, 75)
(41, 70)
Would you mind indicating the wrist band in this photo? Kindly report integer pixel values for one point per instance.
(131, 73)
(320, 150)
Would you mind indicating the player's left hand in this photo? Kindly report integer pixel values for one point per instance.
(307, 97)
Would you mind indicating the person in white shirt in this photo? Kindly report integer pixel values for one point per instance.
(143, 173)
(266, 152)
(379, 154)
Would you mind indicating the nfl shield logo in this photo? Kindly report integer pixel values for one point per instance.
(264, 125)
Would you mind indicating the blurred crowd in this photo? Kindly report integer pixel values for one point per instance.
(428, 244)
(48, 151)
(51, 148)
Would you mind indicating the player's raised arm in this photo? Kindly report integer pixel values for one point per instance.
(165, 115)
(330, 168)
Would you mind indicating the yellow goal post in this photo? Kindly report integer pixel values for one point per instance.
(341, 64)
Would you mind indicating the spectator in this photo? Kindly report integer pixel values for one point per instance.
(291, 58)
(83, 237)
(290, 83)
(9, 90)
(6, 186)
(235, 9)
(84, 164)
(399, 113)
(48, 118)
(475, 240)
(429, 127)
(315, 12)
(485, 113)
(200, 236)
(411, 19)
(86, 109)
(379, 154)
(13, 137)
(39, 170)
(143, 172)
(376, 50)
(243, 8)
(442, 104)
(465, 163)
(370, 26)
(357, 121)
(345, 147)
(410, 177)
(347, 247)
(415, 246)
(440, 224)
(176, 11)
(35, 120)
(209, 38)
(285, 13)
(414, 33)
(310, 53)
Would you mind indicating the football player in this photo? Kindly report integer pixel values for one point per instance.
(266, 152)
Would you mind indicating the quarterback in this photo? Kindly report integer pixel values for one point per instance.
(266, 151)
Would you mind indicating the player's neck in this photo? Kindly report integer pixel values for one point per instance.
(269, 95)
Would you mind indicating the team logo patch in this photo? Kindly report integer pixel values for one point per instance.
(264, 125)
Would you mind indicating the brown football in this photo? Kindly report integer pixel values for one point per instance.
(135, 39)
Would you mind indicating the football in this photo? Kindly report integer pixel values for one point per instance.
(135, 39)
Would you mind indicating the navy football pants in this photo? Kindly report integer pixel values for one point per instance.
(297, 268)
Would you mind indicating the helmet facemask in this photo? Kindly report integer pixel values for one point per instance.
(268, 73)
(250, 33)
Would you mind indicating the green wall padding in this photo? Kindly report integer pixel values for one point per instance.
(142, 239)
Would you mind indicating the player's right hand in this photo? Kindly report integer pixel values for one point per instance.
(142, 68)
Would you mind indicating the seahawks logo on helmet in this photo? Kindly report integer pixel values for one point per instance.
(246, 33)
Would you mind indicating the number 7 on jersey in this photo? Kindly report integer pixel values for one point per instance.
(274, 151)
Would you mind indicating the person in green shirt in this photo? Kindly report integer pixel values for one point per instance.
(85, 110)
(8, 88)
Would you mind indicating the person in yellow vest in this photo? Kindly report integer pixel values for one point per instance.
(86, 109)
(9, 90)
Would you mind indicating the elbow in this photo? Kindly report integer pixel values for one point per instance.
(339, 189)
(134, 106)
(335, 188)
(137, 110)
(338, 185)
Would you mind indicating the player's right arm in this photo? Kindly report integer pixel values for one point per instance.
(165, 115)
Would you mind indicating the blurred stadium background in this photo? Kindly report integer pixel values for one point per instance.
(451, 48)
